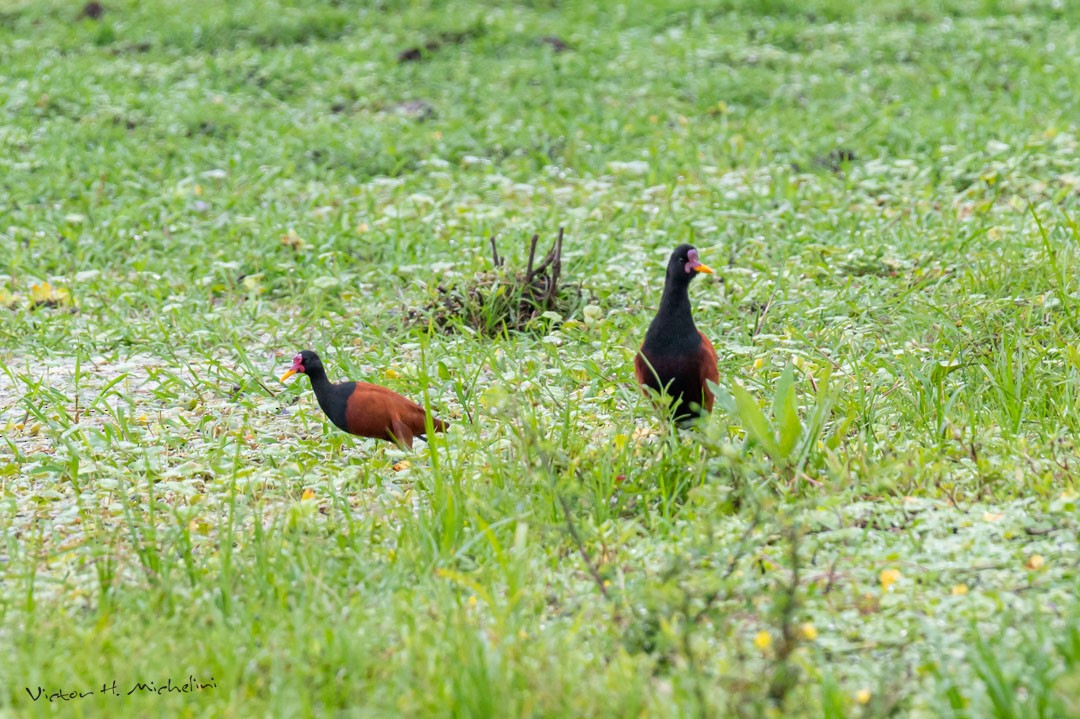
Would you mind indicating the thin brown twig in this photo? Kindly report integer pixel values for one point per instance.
(581, 548)
(783, 674)
(556, 268)
(547, 261)
(265, 388)
(830, 578)
(691, 660)
(532, 256)
(764, 311)
(733, 563)
(1032, 532)
(495, 253)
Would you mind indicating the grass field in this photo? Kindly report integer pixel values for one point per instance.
(880, 518)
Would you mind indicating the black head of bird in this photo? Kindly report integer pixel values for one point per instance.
(684, 265)
(305, 362)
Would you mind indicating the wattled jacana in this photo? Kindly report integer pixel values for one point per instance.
(364, 409)
(676, 357)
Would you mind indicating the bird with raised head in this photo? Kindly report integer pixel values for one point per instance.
(676, 357)
(363, 409)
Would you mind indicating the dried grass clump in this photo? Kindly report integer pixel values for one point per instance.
(503, 300)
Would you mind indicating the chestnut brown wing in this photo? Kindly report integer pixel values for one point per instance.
(381, 413)
(709, 368)
(641, 369)
(401, 432)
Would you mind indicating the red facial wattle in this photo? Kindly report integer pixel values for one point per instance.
(693, 264)
(297, 368)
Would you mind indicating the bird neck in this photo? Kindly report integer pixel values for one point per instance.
(674, 324)
(333, 398)
(319, 381)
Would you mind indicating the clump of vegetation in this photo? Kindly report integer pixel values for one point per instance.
(502, 299)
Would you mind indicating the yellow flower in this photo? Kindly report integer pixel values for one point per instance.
(1035, 562)
(391, 373)
(292, 240)
(252, 284)
(809, 631)
(763, 640)
(309, 493)
(472, 600)
(960, 590)
(889, 577)
(862, 696)
(45, 295)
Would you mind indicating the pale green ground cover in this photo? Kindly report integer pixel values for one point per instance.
(218, 185)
